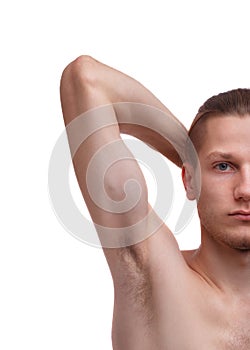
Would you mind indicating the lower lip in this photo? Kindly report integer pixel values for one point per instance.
(241, 217)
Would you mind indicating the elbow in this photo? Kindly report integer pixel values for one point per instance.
(80, 88)
(82, 72)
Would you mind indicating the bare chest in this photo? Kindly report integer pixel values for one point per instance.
(204, 325)
(235, 329)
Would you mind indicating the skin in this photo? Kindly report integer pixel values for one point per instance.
(166, 298)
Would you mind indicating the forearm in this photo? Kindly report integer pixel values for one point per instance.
(138, 112)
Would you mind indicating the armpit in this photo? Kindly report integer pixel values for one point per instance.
(134, 282)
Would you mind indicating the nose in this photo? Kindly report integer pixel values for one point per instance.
(242, 188)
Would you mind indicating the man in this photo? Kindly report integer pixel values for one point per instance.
(166, 298)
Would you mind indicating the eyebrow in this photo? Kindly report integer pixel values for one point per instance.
(221, 155)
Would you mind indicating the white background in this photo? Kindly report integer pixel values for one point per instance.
(56, 292)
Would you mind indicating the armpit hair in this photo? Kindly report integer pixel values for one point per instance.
(136, 280)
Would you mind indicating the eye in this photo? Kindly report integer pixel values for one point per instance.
(223, 166)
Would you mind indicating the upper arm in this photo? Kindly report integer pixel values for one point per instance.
(109, 177)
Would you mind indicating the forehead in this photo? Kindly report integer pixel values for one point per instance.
(225, 134)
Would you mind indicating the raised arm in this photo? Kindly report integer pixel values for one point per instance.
(97, 97)
(104, 85)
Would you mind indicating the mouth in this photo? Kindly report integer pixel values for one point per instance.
(241, 215)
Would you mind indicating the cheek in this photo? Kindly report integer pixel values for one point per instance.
(208, 193)
(209, 209)
(216, 186)
(214, 198)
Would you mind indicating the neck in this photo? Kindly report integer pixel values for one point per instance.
(223, 266)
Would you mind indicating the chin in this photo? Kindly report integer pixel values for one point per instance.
(237, 242)
(237, 238)
(243, 246)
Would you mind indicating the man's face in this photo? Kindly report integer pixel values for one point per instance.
(224, 203)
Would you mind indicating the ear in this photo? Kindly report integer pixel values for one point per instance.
(188, 178)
